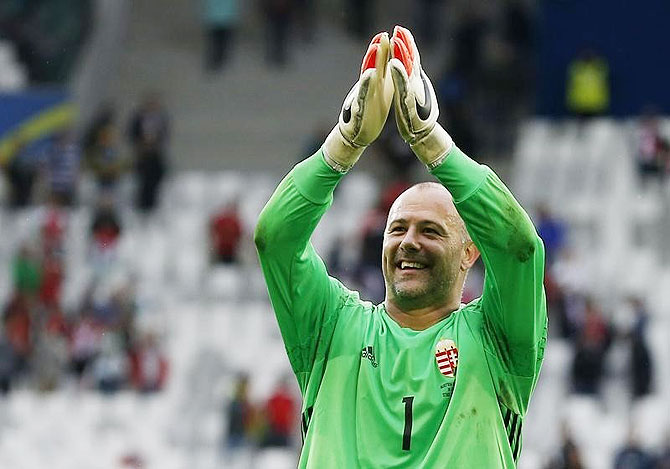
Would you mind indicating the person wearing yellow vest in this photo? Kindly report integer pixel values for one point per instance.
(588, 88)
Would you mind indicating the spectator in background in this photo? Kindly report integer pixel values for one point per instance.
(280, 414)
(27, 272)
(552, 230)
(569, 456)
(641, 364)
(17, 323)
(110, 366)
(106, 226)
(53, 229)
(148, 365)
(56, 324)
(633, 456)
(61, 169)
(51, 282)
(104, 159)
(240, 416)
(105, 231)
(587, 87)
(221, 18)
(50, 355)
(278, 16)
(593, 341)
(149, 132)
(651, 160)
(570, 279)
(104, 118)
(368, 270)
(6, 363)
(125, 305)
(84, 343)
(225, 231)
(20, 174)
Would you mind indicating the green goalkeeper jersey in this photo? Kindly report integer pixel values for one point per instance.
(378, 395)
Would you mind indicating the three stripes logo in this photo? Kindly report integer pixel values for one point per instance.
(513, 429)
(305, 420)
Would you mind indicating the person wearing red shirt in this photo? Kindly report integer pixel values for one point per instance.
(281, 416)
(225, 234)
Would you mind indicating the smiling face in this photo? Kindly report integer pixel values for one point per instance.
(424, 256)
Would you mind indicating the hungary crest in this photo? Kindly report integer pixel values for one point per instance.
(446, 356)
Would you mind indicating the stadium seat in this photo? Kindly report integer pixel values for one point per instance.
(224, 283)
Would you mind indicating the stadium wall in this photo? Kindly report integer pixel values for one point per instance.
(630, 35)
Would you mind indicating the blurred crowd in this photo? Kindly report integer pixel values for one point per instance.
(631, 455)
(49, 171)
(594, 335)
(95, 346)
(96, 343)
(253, 426)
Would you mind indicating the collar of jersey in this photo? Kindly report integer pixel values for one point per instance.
(386, 317)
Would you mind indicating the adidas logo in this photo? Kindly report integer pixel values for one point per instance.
(369, 353)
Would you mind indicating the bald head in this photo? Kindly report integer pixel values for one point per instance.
(426, 253)
(434, 196)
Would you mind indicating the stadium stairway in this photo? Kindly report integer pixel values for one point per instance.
(248, 116)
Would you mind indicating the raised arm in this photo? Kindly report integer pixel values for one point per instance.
(513, 301)
(305, 299)
(302, 294)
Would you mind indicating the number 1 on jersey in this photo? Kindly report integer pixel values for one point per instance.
(407, 432)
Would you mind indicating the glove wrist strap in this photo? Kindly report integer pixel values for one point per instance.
(339, 153)
(434, 147)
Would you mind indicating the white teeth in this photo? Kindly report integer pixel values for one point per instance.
(411, 265)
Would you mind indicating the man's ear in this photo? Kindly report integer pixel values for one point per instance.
(470, 255)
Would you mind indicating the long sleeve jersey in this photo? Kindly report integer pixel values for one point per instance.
(378, 395)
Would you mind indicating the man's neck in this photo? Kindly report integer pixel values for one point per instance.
(419, 319)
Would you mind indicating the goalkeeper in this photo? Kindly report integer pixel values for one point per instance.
(419, 381)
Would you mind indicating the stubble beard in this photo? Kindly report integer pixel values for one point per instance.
(431, 291)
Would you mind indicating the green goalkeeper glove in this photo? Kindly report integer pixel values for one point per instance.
(415, 103)
(364, 110)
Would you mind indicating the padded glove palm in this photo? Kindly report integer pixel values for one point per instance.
(364, 110)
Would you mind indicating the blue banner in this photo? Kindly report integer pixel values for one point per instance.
(31, 117)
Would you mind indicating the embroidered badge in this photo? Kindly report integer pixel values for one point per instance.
(446, 356)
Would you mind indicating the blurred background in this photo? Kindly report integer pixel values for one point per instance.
(140, 139)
